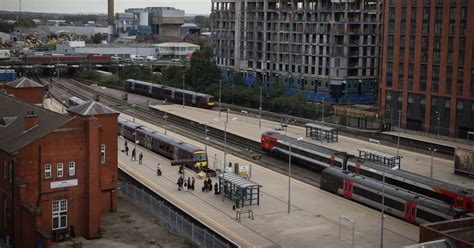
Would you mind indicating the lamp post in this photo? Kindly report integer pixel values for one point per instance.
(225, 145)
(433, 150)
(383, 203)
(438, 119)
(166, 121)
(290, 144)
(183, 91)
(322, 112)
(220, 97)
(398, 136)
(260, 109)
(206, 138)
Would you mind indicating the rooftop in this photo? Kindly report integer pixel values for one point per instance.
(13, 133)
(24, 82)
(92, 108)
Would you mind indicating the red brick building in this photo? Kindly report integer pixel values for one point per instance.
(26, 89)
(58, 173)
(427, 70)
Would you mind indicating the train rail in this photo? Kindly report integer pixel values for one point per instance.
(237, 146)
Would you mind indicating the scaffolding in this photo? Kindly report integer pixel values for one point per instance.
(320, 132)
(379, 157)
(239, 189)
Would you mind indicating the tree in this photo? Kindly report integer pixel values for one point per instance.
(6, 27)
(203, 70)
(97, 38)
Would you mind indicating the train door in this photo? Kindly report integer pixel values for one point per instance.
(148, 142)
(459, 202)
(194, 99)
(175, 153)
(347, 191)
(410, 211)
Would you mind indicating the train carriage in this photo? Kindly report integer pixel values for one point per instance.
(398, 202)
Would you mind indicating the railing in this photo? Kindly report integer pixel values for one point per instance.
(185, 227)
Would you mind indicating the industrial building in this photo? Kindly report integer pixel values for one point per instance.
(59, 173)
(189, 28)
(427, 66)
(175, 50)
(328, 48)
(163, 21)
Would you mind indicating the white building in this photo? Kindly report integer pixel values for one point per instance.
(181, 50)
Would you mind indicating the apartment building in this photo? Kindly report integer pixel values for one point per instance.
(328, 48)
(427, 70)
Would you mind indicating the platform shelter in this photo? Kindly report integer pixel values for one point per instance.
(379, 157)
(237, 188)
(320, 132)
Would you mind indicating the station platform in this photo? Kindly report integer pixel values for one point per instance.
(314, 217)
(429, 139)
(248, 127)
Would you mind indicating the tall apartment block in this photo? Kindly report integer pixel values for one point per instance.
(427, 70)
(329, 48)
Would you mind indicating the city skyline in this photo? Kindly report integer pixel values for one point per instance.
(100, 6)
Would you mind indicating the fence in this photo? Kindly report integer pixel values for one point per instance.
(185, 227)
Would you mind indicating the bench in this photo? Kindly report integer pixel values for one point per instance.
(239, 212)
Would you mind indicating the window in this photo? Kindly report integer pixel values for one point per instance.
(59, 214)
(60, 169)
(47, 171)
(72, 169)
(102, 154)
(4, 169)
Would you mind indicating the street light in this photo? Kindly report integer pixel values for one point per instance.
(260, 108)
(383, 202)
(220, 97)
(433, 150)
(166, 121)
(398, 136)
(290, 144)
(438, 118)
(183, 91)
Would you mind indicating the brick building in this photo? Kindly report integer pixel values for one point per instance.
(26, 89)
(427, 70)
(57, 173)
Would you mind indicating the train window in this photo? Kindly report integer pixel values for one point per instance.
(367, 194)
(422, 214)
(389, 202)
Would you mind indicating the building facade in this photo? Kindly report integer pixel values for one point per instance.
(325, 47)
(164, 21)
(58, 173)
(427, 69)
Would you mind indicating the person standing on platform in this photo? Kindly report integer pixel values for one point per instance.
(134, 155)
(140, 158)
(205, 188)
(185, 186)
(209, 183)
(180, 183)
(158, 169)
(192, 183)
(126, 149)
(216, 189)
(125, 145)
(189, 183)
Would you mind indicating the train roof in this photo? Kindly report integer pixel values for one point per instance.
(167, 87)
(305, 144)
(416, 178)
(395, 191)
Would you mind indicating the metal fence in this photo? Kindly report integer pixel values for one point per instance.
(195, 233)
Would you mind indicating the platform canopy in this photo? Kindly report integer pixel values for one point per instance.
(379, 157)
(321, 132)
(239, 189)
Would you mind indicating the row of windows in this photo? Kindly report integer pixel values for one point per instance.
(60, 170)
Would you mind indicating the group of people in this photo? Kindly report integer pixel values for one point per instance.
(185, 184)
(134, 153)
(208, 186)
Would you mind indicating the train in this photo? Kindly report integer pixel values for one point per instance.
(66, 59)
(166, 146)
(75, 101)
(317, 158)
(170, 94)
(406, 205)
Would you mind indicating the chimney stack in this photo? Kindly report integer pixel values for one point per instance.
(110, 19)
(31, 120)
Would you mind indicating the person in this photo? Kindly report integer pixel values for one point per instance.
(192, 183)
(126, 149)
(189, 183)
(134, 154)
(205, 188)
(158, 169)
(209, 183)
(180, 183)
(185, 186)
(181, 169)
(140, 158)
(216, 189)
(126, 144)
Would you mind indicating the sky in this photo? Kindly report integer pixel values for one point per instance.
(100, 6)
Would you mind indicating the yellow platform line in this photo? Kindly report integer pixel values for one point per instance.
(147, 181)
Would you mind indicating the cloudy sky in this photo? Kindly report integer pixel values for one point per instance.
(100, 6)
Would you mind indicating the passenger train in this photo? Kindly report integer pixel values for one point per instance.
(317, 158)
(170, 94)
(400, 203)
(165, 145)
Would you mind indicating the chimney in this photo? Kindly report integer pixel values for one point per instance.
(31, 120)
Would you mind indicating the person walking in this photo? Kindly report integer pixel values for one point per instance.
(140, 158)
(192, 183)
(125, 145)
(126, 149)
(158, 169)
(134, 155)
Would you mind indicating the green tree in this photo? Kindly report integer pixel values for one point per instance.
(173, 76)
(25, 23)
(203, 70)
(97, 38)
(6, 27)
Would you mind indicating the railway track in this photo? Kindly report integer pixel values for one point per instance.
(236, 145)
